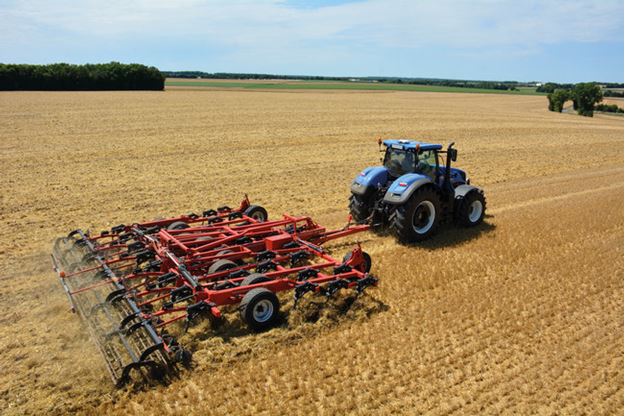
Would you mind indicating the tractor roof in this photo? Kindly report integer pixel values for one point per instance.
(411, 144)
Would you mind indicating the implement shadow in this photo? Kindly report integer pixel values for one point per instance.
(310, 311)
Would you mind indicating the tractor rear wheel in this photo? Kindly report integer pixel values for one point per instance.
(359, 209)
(470, 210)
(419, 217)
(259, 309)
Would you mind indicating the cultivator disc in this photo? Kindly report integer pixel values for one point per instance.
(131, 283)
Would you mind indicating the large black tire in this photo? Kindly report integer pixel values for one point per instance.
(259, 309)
(471, 209)
(178, 225)
(419, 218)
(221, 265)
(256, 212)
(359, 209)
(367, 265)
(253, 279)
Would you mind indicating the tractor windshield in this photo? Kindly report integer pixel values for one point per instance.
(399, 161)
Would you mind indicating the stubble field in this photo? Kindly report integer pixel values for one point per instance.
(522, 315)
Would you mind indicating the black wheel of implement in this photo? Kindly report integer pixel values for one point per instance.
(253, 279)
(239, 262)
(259, 309)
(256, 212)
(178, 225)
(221, 265)
(470, 211)
(419, 217)
(359, 209)
(367, 265)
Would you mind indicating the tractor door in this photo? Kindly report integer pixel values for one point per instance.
(427, 164)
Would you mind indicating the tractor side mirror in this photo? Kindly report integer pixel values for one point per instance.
(452, 154)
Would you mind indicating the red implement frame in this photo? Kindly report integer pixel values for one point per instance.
(133, 282)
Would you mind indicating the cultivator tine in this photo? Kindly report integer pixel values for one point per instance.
(301, 290)
(364, 283)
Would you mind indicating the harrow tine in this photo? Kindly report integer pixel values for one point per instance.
(301, 290)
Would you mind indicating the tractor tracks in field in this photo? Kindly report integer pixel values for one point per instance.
(540, 201)
(532, 192)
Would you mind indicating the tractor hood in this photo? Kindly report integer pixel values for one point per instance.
(401, 189)
(456, 175)
(370, 178)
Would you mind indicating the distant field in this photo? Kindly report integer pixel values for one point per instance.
(613, 100)
(333, 85)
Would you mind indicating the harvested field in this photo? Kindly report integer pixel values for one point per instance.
(522, 315)
(612, 100)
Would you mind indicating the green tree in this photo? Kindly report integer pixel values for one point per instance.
(557, 100)
(586, 95)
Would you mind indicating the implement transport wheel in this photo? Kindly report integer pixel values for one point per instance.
(470, 210)
(359, 209)
(418, 218)
(178, 225)
(239, 262)
(365, 267)
(253, 279)
(259, 309)
(256, 212)
(221, 265)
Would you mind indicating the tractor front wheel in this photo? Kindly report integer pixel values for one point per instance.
(359, 209)
(418, 218)
(470, 210)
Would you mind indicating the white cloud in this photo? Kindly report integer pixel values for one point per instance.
(381, 22)
(273, 29)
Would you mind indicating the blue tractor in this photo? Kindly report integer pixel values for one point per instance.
(415, 190)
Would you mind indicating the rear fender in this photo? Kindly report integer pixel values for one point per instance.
(369, 179)
(403, 188)
(462, 191)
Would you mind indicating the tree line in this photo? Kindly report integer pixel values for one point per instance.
(584, 95)
(504, 85)
(61, 76)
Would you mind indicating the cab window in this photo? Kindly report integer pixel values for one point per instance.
(426, 164)
(399, 161)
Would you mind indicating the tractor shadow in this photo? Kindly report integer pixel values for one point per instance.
(450, 235)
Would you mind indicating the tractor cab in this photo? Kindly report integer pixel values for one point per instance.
(403, 156)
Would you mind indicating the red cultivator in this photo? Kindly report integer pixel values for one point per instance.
(132, 283)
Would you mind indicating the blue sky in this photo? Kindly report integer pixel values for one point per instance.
(549, 40)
